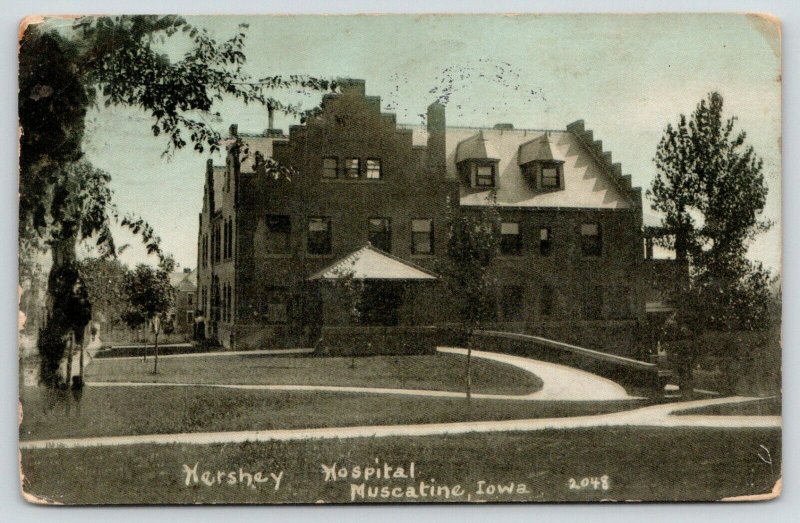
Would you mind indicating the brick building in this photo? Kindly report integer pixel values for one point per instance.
(571, 255)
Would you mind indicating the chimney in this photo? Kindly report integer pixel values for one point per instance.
(234, 130)
(187, 270)
(436, 139)
(270, 118)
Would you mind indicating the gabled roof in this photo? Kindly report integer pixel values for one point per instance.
(369, 263)
(476, 148)
(184, 281)
(591, 181)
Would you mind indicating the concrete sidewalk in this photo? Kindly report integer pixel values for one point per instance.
(654, 416)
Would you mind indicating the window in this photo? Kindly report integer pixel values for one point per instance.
(279, 229)
(545, 241)
(593, 303)
(226, 239)
(512, 304)
(380, 233)
(422, 236)
(229, 302)
(591, 240)
(224, 302)
(189, 298)
(546, 301)
(277, 308)
(510, 239)
(373, 169)
(330, 167)
(352, 168)
(277, 313)
(484, 176)
(230, 237)
(551, 177)
(217, 242)
(619, 304)
(319, 236)
(189, 318)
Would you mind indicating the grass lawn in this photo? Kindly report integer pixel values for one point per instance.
(638, 464)
(127, 411)
(433, 372)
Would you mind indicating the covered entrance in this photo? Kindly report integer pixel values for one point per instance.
(373, 302)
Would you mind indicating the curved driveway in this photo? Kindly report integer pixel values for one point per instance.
(560, 383)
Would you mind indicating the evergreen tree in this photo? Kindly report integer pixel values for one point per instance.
(710, 190)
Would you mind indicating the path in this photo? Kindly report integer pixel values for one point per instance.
(198, 354)
(560, 383)
(653, 416)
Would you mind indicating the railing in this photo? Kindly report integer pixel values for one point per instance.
(601, 356)
(627, 371)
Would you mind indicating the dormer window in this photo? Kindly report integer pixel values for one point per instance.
(541, 164)
(484, 175)
(551, 177)
(477, 161)
(481, 174)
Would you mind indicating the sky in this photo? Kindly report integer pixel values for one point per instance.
(626, 76)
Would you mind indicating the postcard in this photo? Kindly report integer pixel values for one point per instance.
(399, 258)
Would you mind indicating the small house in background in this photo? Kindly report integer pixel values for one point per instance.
(185, 284)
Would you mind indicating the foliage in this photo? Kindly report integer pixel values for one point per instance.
(149, 293)
(116, 60)
(710, 189)
(105, 284)
(472, 244)
(351, 290)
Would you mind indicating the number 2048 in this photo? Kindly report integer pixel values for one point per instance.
(589, 483)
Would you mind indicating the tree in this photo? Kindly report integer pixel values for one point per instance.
(351, 291)
(150, 296)
(117, 60)
(709, 188)
(472, 244)
(104, 280)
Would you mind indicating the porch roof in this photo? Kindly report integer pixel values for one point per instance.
(370, 263)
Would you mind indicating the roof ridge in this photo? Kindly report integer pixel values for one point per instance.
(481, 128)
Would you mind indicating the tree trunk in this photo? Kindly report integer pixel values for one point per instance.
(81, 364)
(144, 342)
(70, 351)
(155, 349)
(64, 308)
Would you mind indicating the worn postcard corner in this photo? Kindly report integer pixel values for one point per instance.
(251, 274)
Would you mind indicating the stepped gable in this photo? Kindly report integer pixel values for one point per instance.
(595, 148)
